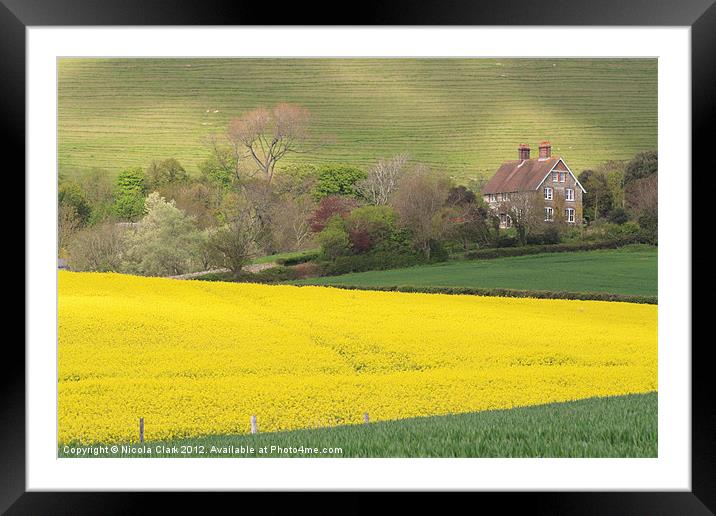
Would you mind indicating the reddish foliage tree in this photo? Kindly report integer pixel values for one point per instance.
(360, 239)
(327, 208)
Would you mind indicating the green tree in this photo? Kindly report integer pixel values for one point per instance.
(71, 194)
(129, 197)
(598, 201)
(164, 173)
(614, 172)
(165, 242)
(643, 165)
(370, 225)
(335, 179)
(220, 168)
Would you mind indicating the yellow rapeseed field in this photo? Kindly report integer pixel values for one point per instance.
(197, 358)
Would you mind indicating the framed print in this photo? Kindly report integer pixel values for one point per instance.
(425, 252)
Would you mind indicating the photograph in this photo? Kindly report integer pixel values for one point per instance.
(345, 257)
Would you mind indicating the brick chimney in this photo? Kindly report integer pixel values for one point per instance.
(523, 151)
(545, 150)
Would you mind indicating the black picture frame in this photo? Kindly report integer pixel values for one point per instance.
(700, 15)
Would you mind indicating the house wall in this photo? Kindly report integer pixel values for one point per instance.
(558, 197)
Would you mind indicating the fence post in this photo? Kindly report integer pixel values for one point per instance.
(141, 429)
(365, 418)
(254, 428)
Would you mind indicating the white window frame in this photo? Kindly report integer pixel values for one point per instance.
(548, 214)
(493, 197)
(569, 194)
(555, 177)
(569, 212)
(548, 193)
(562, 177)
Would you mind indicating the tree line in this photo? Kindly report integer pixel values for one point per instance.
(249, 200)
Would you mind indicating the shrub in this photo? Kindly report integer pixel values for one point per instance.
(299, 259)
(649, 228)
(550, 235)
(506, 241)
(306, 270)
(369, 225)
(618, 216)
(615, 231)
(504, 292)
(368, 262)
(484, 254)
(334, 239)
(272, 275)
(438, 251)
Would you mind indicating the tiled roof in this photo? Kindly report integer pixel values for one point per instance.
(519, 175)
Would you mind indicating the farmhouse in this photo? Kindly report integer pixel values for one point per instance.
(544, 186)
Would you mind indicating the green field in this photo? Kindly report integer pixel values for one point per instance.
(464, 116)
(629, 271)
(622, 426)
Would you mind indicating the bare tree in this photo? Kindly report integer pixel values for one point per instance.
(526, 211)
(420, 202)
(266, 136)
(382, 180)
(68, 224)
(642, 195)
(97, 248)
(290, 220)
(233, 244)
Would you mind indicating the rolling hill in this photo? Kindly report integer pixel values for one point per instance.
(463, 116)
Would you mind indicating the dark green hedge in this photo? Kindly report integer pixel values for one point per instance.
(504, 292)
(295, 260)
(501, 252)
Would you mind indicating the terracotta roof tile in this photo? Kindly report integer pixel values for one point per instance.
(519, 175)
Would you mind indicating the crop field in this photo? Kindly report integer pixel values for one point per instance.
(615, 271)
(200, 358)
(463, 116)
(619, 426)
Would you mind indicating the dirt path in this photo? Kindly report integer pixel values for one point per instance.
(255, 267)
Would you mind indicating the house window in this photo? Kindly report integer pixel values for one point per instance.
(493, 198)
(555, 177)
(569, 194)
(505, 197)
(569, 212)
(562, 176)
(548, 214)
(505, 220)
(548, 193)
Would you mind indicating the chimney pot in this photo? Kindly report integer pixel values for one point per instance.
(545, 150)
(523, 151)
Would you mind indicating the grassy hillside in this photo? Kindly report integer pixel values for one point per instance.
(462, 115)
(622, 426)
(616, 271)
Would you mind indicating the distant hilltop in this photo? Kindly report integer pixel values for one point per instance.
(458, 115)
